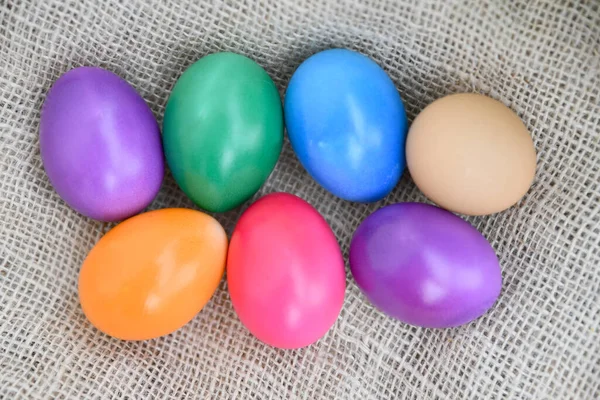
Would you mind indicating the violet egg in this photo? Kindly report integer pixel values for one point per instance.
(424, 266)
(100, 144)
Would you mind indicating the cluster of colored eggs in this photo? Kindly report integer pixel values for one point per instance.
(222, 135)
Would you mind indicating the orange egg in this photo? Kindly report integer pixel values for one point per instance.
(152, 273)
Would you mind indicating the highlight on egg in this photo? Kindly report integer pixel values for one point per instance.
(152, 273)
(424, 266)
(285, 272)
(100, 144)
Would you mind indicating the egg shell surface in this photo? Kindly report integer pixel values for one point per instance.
(285, 272)
(347, 124)
(424, 265)
(223, 130)
(100, 144)
(471, 154)
(152, 273)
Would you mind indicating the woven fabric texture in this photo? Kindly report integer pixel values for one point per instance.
(540, 341)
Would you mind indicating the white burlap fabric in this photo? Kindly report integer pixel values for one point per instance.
(540, 341)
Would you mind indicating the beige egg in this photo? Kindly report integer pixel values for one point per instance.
(471, 154)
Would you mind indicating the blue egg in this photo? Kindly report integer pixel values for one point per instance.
(347, 124)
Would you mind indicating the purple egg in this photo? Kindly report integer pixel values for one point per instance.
(424, 266)
(100, 144)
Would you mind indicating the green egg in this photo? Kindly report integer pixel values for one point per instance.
(223, 130)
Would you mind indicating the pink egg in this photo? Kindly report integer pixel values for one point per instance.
(285, 272)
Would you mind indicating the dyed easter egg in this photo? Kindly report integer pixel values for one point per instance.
(152, 273)
(347, 124)
(424, 266)
(223, 130)
(285, 272)
(100, 144)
